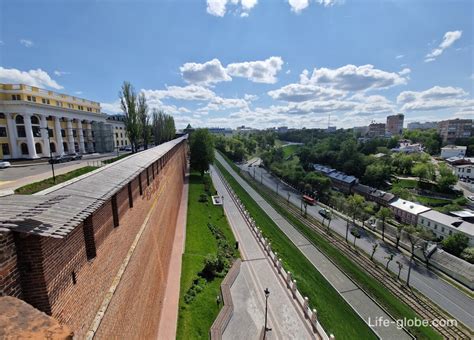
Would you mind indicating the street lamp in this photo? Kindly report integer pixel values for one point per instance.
(223, 206)
(50, 154)
(267, 294)
(278, 183)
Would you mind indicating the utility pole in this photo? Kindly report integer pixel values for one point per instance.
(50, 154)
(267, 294)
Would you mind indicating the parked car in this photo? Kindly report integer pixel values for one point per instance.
(324, 213)
(4, 164)
(128, 148)
(76, 156)
(61, 159)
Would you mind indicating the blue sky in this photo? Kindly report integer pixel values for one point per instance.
(248, 62)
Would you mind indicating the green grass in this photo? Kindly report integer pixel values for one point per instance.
(195, 319)
(334, 313)
(395, 307)
(111, 160)
(289, 150)
(47, 183)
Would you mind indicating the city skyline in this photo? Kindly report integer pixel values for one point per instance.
(251, 63)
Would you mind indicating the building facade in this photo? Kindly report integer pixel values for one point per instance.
(465, 171)
(376, 130)
(394, 126)
(443, 225)
(119, 132)
(453, 151)
(406, 211)
(453, 129)
(35, 122)
(422, 126)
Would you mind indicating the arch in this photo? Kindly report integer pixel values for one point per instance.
(19, 119)
(24, 149)
(34, 120)
(39, 148)
(65, 147)
(52, 147)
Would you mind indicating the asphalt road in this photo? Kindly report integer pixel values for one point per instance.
(451, 299)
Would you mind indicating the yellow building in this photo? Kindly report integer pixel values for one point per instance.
(35, 121)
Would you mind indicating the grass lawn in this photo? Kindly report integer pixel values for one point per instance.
(289, 150)
(397, 308)
(46, 183)
(195, 319)
(334, 313)
(111, 160)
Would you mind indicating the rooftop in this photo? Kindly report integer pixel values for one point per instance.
(411, 207)
(56, 211)
(454, 147)
(447, 220)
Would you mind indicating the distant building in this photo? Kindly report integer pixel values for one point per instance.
(464, 171)
(443, 225)
(453, 129)
(406, 146)
(394, 126)
(118, 130)
(376, 130)
(220, 131)
(453, 151)
(373, 194)
(422, 126)
(360, 130)
(406, 211)
(282, 129)
(331, 129)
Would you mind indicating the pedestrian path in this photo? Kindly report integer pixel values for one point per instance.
(285, 318)
(367, 309)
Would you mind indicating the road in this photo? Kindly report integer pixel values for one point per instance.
(364, 306)
(257, 273)
(15, 177)
(449, 298)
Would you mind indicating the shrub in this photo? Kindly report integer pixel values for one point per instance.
(203, 198)
(468, 254)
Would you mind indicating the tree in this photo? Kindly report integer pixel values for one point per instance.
(142, 113)
(329, 218)
(398, 235)
(424, 171)
(389, 258)
(128, 103)
(415, 235)
(163, 127)
(355, 205)
(374, 249)
(384, 214)
(202, 150)
(355, 232)
(455, 244)
(446, 178)
(468, 254)
(376, 174)
(400, 266)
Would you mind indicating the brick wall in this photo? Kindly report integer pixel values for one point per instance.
(9, 272)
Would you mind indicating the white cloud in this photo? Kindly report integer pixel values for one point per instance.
(113, 107)
(190, 92)
(219, 7)
(353, 78)
(298, 5)
(61, 73)
(36, 77)
(405, 71)
(448, 39)
(400, 56)
(304, 92)
(26, 42)
(261, 71)
(435, 98)
(207, 73)
(250, 97)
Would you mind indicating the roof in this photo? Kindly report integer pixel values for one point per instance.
(386, 196)
(55, 212)
(466, 213)
(411, 207)
(324, 169)
(340, 176)
(447, 220)
(454, 147)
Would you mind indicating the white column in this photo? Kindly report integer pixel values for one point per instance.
(12, 136)
(90, 139)
(59, 136)
(81, 137)
(44, 135)
(69, 135)
(29, 136)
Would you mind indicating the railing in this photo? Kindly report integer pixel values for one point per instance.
(224, 316)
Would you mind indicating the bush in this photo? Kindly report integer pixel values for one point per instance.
(203, 198)
(214, 266)
(468, 254)
(455, 244)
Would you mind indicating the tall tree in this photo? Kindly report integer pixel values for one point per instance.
(355, 205)
(202, 150)
(128, 103)
(384, 214)
(142, 112)
(415, 235)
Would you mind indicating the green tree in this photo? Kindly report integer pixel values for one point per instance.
(128, 103)
(376, 174)
(355, 205)
(202, 150)
(446, 177)
(142, 113)
(384, 214)
(424, 171)
(455, 244)
(468, 254)
(416, 235)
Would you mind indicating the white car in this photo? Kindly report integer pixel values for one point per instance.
(4, 164)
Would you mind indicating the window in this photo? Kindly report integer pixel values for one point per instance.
(116, 135)
(52, 147)
(20, 129)
(38, 148)
(442, 229)
(429, 223)
(468, 171)
(63, 133)
(5, 149)
(50, 133)
(436, 226)
(122, 142)
(3, 131)
(89, 109)
(121, 135)
(24, 149)
(422, 221)
(36, 131)
(19, 119)
(31, 98)
(450, 232)
(60, 104)
(80, 107)
(45, 101)
(74, 133)
(2, 115)
(16, 97)
(34, 120)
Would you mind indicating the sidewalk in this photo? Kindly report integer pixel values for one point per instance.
(257, 273)
(357, 299)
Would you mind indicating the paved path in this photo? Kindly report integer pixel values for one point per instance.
(448, 297)
(360, 302)
(169, 310)
(257, 273)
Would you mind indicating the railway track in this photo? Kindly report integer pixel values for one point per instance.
(425, 309)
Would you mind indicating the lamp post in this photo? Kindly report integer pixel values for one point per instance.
(278, 183)
(223, 213)
(261, 177)
(50, 154)
(267, 294)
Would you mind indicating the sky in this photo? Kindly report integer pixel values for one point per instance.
(258, 63)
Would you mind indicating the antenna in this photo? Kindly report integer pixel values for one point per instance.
(329, 121)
